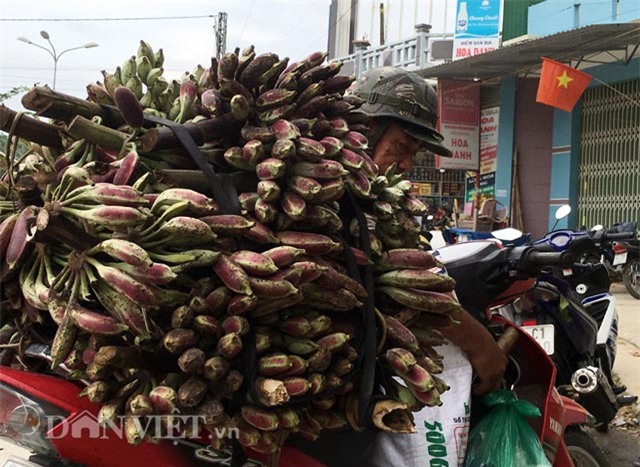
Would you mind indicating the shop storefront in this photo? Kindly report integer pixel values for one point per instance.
(590, 157)
(609, 165)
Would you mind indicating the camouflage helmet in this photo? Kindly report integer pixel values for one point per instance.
(402, 95)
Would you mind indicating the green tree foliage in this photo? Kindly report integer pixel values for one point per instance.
(12, 92)
(3, 136)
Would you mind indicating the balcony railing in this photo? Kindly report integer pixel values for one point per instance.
(412, 53)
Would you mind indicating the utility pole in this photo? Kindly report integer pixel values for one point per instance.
(220, 30)
(381, 23)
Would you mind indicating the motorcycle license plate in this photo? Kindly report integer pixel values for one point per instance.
(620, 258)
(543, 335)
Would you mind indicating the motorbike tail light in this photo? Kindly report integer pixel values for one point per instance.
(529, 322)
(26, 420)
(618, 248)
(507, 311)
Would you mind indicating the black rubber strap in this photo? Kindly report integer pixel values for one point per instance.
(224, 191)
(238, 454)
(250, 370)
(350, 208)
(370, 325)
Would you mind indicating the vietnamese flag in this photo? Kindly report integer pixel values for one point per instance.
(560, 85)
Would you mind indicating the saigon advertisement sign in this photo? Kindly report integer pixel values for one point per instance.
(459, 103)
(477, 29)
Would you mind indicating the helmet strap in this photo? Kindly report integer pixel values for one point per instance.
(414, 109)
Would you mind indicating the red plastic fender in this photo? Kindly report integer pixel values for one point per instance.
(79, 438)
(574, 413)
(76, 439)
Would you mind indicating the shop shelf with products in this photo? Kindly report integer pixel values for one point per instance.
(435, 187)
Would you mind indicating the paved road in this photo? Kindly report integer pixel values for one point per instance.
(621, 443)
(627, 364)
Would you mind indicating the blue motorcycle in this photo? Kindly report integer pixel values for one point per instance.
(570, 312)
(572, 315)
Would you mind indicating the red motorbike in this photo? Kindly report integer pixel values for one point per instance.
(45, 415)
(489, 276)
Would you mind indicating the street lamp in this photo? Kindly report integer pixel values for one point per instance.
(56, 56)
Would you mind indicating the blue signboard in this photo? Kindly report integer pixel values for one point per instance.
(477, 27)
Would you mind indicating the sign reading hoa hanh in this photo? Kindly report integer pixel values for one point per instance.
(489, 139)
(488, 155)
(477, 28)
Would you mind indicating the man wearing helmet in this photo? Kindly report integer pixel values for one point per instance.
(403, 114)
(403, 111)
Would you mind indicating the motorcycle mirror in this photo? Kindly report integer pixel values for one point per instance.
(597, 227)
(509, 234)
(563, 211)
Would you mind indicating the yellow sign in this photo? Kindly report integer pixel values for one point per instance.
(422, 189)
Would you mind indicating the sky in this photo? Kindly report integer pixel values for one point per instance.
(292, 28)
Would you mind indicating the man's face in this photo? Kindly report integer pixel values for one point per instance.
(395, 146)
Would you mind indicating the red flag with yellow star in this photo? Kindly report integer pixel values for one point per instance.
(560, 85)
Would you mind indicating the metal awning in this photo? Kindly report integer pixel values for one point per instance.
(581, 48)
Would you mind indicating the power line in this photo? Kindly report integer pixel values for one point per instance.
(108, 19)
(548, 15)
(66, 90)
(299, 21)
(247, 20)
(38, 76)
(609, 17)
(96, 69)
(330, 28)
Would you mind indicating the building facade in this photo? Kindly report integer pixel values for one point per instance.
(588, 158)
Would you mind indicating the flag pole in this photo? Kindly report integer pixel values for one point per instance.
(633, 101)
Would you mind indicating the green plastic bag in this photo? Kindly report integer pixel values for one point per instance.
(503, 438)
